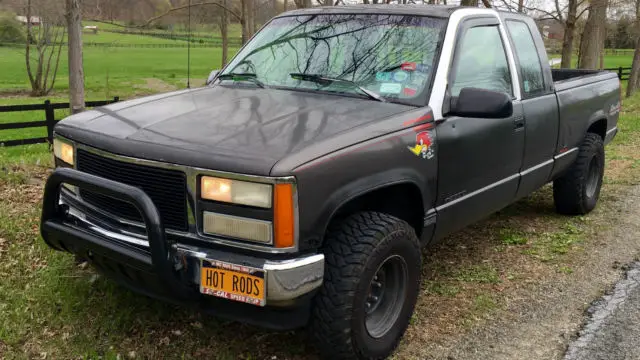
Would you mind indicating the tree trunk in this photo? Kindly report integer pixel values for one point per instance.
(285, 5)
(569, 31)
(246, 20)
(521, 5)
(76, 71)
(632, 84)
(224, 32)
(592, 42)
(469, 3)
(254, 16)
(32, 80)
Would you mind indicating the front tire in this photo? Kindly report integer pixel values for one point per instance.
(372, 278)
(577, 191)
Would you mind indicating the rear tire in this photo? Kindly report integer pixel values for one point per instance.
(577, 191)
(371, 283)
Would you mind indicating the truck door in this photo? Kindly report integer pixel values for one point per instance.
(479, 159)
(539, 103)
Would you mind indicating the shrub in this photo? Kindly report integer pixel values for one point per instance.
(11, 31)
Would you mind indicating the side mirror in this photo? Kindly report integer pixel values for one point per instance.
(212, 76)
(481, 103)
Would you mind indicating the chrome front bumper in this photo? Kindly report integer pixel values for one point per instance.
(285, 279)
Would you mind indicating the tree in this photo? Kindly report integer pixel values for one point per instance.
(224, 32)
(42, 67)
(569, 32)
(567, 15)
(592, 41)
(11, 30)
(635, 65)
(76, 69)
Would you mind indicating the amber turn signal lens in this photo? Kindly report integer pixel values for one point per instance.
(284, 216)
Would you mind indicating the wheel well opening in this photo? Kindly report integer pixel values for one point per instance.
(599, 127)
(403, 201)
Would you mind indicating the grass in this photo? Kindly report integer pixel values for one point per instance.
(478, 273)
(50, 307)
(609, 61)
(510, 237)
(109, 72)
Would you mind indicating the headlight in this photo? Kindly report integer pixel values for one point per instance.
(236, 191)
(64, 151)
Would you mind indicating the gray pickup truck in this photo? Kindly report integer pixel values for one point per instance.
(298, 187)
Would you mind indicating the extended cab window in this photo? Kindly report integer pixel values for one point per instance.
(530, 67)
(391, 55)
(481, 61)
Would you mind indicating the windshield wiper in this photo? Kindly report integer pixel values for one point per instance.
(325, 81)
(243, 77)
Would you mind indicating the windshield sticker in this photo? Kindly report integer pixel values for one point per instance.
(418, 79)
(400, 76)
(409, 91)
(383, 76)
(424, 146)
(408, 66)
(423, 68)
(390, 88)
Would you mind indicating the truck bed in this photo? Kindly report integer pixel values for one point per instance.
(583, 96)
(564, 79)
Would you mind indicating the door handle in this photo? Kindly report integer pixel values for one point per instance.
(518, 123)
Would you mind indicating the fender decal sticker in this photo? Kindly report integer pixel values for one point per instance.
(424, 145)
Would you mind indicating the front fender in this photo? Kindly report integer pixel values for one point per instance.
(328, 183)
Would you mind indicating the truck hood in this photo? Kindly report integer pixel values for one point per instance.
(234, 129)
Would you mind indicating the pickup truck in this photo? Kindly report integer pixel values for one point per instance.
(298, 186)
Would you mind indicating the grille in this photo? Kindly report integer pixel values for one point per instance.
(167, 188)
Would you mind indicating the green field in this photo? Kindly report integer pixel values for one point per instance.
(610, 61)
(109, 72)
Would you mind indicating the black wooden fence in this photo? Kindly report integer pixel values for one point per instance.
(50, 121)
(623, 72)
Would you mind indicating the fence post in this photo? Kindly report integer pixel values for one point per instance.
(620, 72)
(50, 119)
(116, 99)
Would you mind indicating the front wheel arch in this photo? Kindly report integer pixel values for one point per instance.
(402, 200)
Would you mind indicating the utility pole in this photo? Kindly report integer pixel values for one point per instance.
(76, 70)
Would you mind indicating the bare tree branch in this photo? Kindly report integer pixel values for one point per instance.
(172, 10)
(582, 12)
(508, 5)
(552, 15)
(557, 3)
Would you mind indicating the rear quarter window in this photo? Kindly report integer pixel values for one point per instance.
(532, 80)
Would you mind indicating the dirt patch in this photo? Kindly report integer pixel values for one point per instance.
(156, 85)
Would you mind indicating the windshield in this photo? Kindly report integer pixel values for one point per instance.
(390, 55)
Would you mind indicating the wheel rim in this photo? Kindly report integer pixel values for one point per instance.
(386, 296)
(593, 177)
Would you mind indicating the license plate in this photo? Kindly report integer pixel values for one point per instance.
(233, 282)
